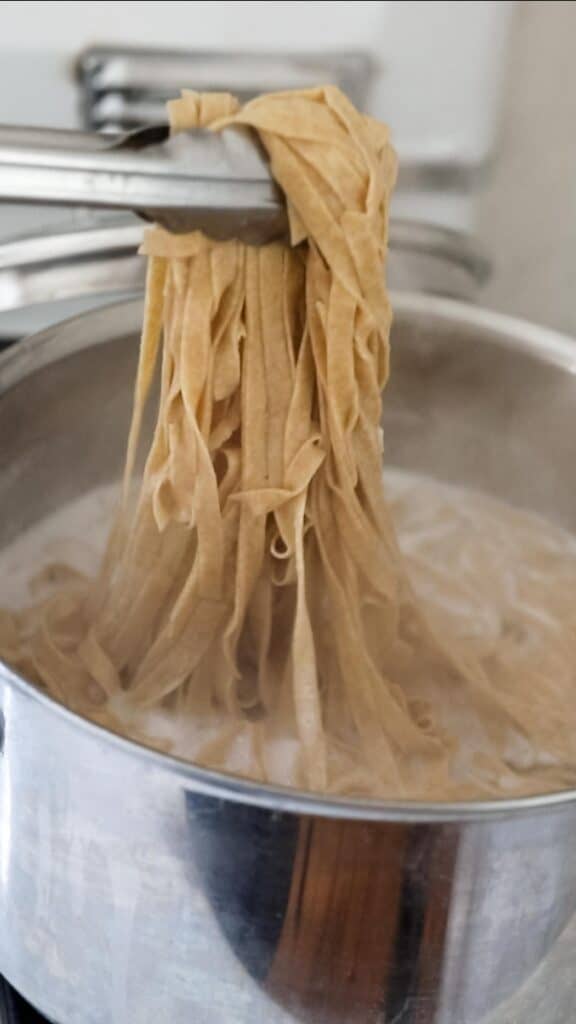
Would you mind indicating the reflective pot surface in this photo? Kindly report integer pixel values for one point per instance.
(135, 889)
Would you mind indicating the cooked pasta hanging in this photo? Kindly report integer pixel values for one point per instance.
(252, 583)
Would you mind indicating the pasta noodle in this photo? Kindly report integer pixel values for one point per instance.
(253, 581)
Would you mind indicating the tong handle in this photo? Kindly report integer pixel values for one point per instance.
(219, 183)
(14, 136)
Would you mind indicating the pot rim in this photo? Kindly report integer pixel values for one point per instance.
(542, 342)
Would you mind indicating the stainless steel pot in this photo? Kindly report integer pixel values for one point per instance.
(137, 889)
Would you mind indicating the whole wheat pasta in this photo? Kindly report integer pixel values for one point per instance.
(256, 580)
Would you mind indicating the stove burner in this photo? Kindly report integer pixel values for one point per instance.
(13, 1009)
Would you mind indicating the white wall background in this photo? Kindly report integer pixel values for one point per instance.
(230, 25)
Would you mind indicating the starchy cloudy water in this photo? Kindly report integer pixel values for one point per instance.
(499, 579)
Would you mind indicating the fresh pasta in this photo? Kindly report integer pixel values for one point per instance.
(252, 583)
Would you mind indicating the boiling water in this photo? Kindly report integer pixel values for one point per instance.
(501, 580)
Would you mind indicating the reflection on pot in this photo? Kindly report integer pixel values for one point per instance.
(338, 921)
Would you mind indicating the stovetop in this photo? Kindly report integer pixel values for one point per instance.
(13, 1009)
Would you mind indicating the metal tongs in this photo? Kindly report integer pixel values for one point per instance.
(219, 183)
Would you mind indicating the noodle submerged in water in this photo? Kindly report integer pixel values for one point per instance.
(254, 585)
